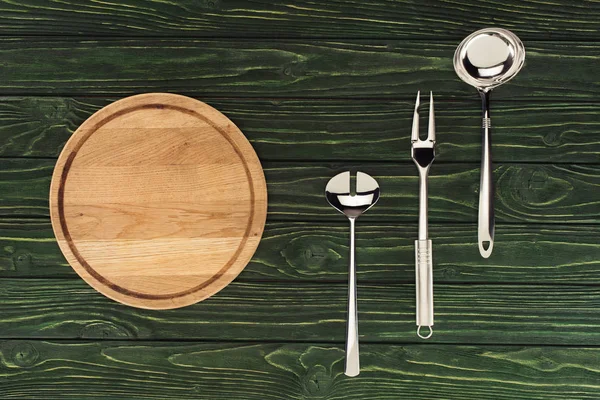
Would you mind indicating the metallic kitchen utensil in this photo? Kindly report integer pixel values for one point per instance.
(340, 197)
(486, 59)
(423, 154)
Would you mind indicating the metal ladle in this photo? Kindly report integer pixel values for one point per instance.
(486, 59)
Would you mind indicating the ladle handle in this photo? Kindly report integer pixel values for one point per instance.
(485, 231)
(352, 360)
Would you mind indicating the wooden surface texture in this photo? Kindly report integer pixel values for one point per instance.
(247, 371)
(282, 68)
(317, 88)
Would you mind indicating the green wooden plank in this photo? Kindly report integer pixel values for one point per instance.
(293, 18)
(270, 311)
(293, 251)
(29, 248)
(339, 129)
(25, 186)
(40, 126)
(147, 370)
(281, 68)
(538, 193)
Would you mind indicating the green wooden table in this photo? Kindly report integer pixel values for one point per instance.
(318, 88)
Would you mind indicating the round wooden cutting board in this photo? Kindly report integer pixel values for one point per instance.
(158, 201)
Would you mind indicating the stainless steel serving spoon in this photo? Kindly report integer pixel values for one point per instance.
(486, 59)
(352, 206)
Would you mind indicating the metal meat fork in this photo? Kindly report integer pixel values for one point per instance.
(423, 154)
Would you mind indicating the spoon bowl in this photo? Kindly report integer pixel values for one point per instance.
(339, 196)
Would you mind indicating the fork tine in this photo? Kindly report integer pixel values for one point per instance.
(431, 128)
(415, 126)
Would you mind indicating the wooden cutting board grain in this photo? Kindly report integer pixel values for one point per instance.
(158, 201)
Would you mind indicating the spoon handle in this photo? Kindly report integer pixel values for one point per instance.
(352, 361)
(485, 231)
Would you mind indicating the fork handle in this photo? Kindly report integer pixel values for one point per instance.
(352, 359)
(424, 286)
(423, 209)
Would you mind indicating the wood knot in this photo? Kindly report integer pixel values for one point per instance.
(294, 70)
(547, 364)
(22, 261)
(211, 4)
(49, 110)
(534, 186)
(450, 272)
(555, 137)
(24, 355)
(317, 382)
(309, 254)
(103, 330)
